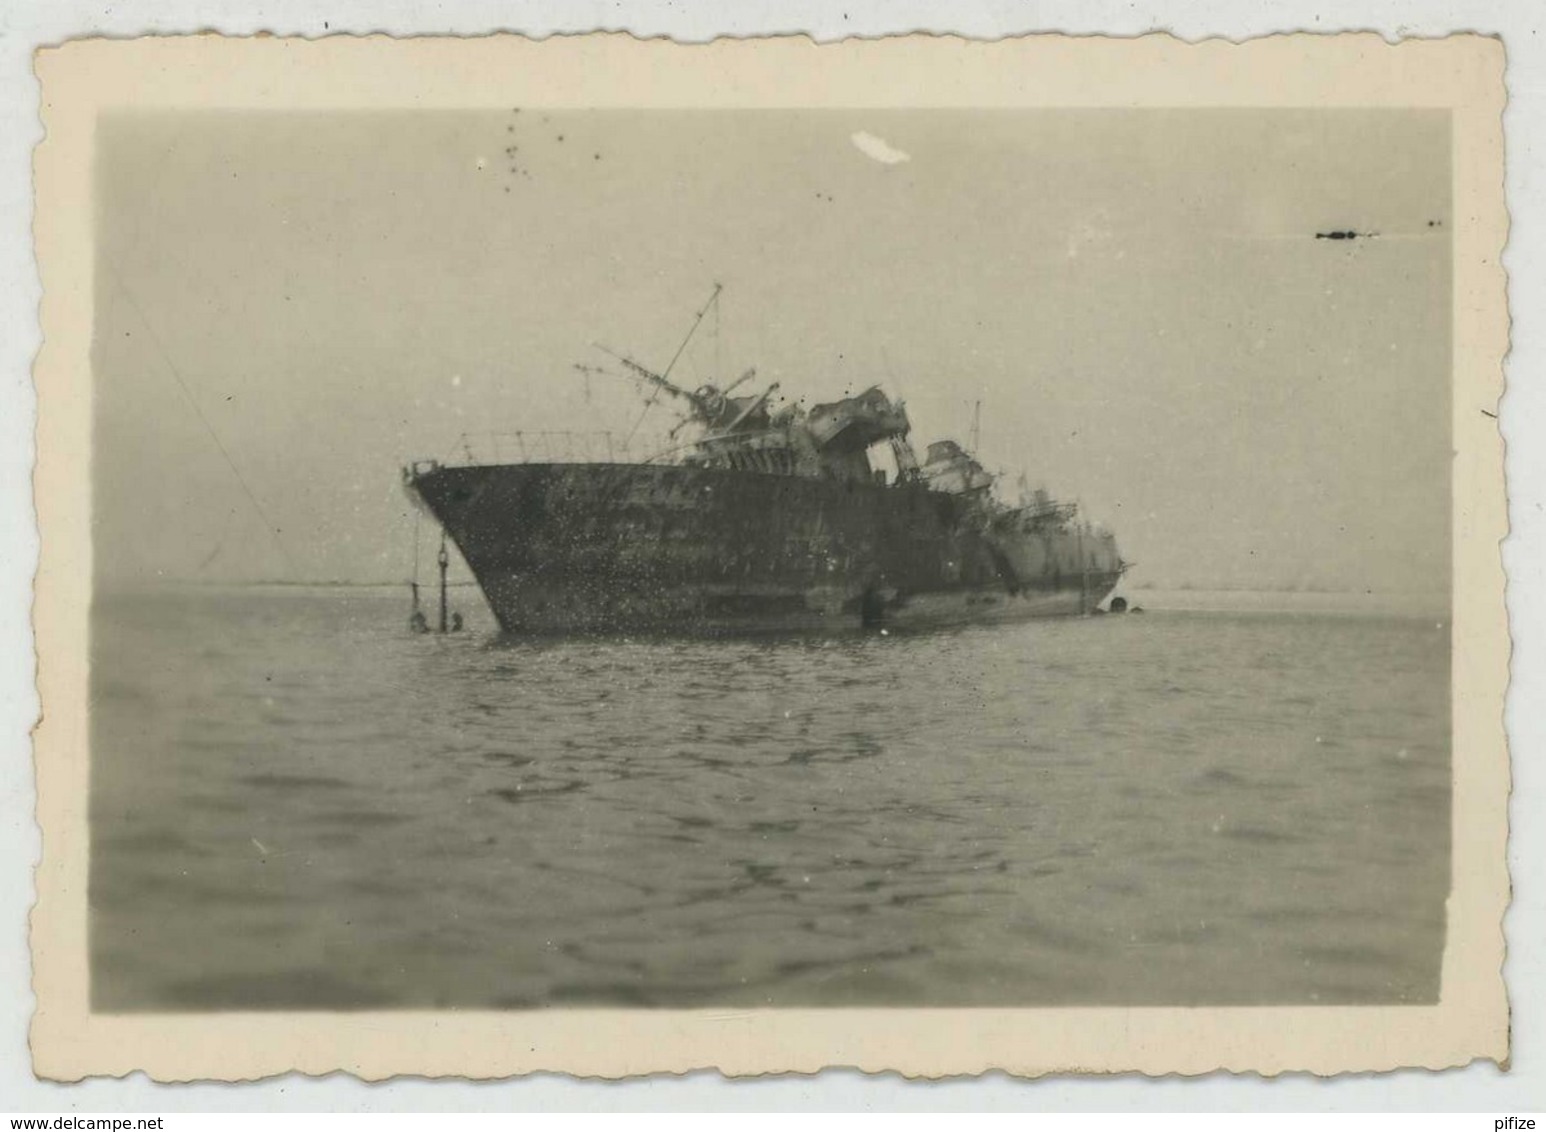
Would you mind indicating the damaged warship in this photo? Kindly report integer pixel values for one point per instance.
(764, 519)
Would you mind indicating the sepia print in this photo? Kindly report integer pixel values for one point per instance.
(661, 576)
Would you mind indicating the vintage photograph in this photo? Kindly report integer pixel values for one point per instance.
(770, 558)
(560, 557)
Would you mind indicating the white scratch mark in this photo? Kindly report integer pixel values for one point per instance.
(261, 847)
(871, 146)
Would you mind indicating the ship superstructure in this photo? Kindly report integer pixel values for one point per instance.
(764, 517)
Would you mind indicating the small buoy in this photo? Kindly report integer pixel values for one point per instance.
(1119, 605)
(1136, 609)
(417, 622)
(456, 622)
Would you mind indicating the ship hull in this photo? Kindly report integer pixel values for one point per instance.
(631, 548)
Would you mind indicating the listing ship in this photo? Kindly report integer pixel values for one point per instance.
(764, 519)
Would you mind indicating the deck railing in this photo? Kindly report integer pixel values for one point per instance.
(535, 446)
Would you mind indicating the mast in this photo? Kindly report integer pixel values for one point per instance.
(704, 407)
(713, 298)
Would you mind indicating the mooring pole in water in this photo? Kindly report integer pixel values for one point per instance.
(415, 615)
(1084, 573)
(444, 559)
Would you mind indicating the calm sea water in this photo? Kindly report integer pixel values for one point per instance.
(296, 803)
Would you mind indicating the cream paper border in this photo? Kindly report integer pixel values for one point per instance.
(84, 78)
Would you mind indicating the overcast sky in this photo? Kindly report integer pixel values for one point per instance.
(1138, 299)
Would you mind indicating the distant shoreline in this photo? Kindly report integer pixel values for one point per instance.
(1155, 599)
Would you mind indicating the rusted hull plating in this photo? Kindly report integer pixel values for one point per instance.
(635, 548)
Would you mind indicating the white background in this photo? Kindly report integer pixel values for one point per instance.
(26, 24)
